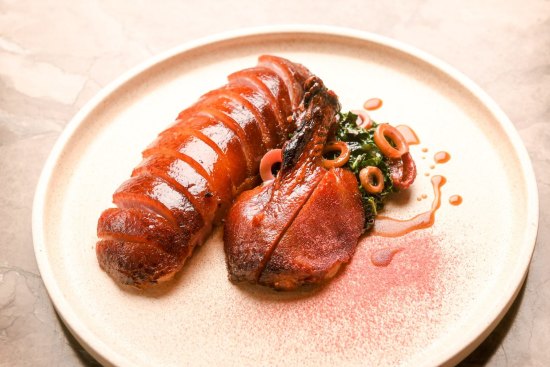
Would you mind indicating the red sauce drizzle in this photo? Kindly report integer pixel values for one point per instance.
(441, 157)
(455, 200)
(410, 136)
(383, 257)
(391, 227)
(372, 104)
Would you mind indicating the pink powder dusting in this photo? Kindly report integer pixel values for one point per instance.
(366, 308)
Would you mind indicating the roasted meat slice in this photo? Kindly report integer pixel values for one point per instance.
(321, 238)
(192, 172)
(300, 227)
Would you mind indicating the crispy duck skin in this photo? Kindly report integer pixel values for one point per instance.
(192, 172)
(301, 227)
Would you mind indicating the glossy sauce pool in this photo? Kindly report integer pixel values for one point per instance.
(455, 200)
(372, 104)
(441, 157)
(392, 227)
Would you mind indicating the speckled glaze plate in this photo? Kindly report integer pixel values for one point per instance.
(440, 296)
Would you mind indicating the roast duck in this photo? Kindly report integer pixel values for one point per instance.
(297, 228)
(301, 226)
(192, 172)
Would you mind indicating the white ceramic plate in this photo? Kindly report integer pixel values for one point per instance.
(432, 305)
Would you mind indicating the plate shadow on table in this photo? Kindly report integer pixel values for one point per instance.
(487, 349)
(85, 358)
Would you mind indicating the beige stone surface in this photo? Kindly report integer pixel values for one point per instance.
(55, 55)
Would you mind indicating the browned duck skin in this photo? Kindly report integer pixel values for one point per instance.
(301, 227)
(192, 172)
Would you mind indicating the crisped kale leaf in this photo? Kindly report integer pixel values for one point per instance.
(363, 153)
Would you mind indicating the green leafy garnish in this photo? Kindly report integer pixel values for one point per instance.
(364, 152)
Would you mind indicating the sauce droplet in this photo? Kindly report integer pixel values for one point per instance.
(424, 150)
(410, 136)
(455, 200)
(391, 227)
(441, 157)
(383, 257)
(372, 104)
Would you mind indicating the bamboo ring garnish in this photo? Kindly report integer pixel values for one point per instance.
(341, 159)
(381, 135)
(372, 179)
(269, 159)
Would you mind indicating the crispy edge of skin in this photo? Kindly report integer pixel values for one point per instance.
(138, 264)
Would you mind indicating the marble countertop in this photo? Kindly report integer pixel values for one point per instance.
(55, 55)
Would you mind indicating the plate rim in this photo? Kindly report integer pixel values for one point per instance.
(476, 335)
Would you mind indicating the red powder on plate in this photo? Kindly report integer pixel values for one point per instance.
(366, 307)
